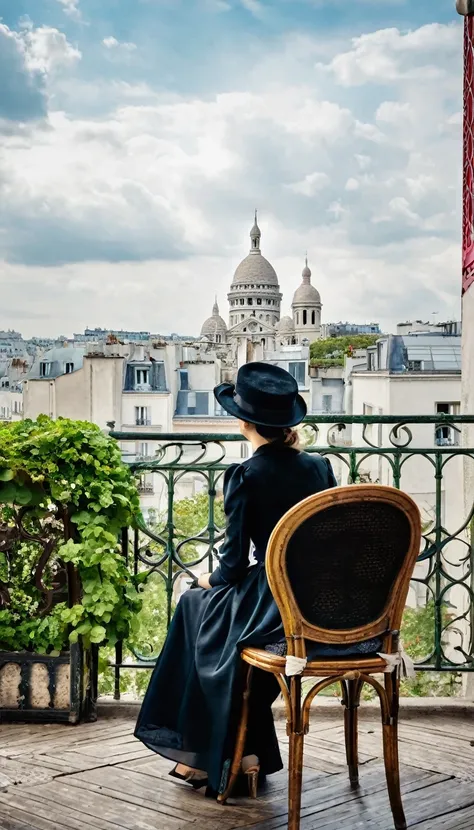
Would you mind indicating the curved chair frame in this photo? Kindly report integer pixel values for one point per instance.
(351, 674)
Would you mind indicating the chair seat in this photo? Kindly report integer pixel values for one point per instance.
(366, 663)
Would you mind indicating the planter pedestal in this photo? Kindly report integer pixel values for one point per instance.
(37, 688)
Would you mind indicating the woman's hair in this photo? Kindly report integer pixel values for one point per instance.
(280, 435)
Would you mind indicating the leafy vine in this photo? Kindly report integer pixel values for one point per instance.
(64, 481)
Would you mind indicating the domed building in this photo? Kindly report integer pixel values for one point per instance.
(285, 332)
(214, 328)
(255, 328)
(306, 308)
(255, 293)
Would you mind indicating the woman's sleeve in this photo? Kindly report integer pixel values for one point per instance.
(234, 553)
(332, 482)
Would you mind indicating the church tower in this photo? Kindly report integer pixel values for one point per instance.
(306, 308)
(255, 292)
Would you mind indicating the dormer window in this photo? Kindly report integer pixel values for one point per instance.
(142, 377)
(45, 369)
(69, 368)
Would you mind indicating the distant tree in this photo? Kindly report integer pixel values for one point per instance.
(332, 350)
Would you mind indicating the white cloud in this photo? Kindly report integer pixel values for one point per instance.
(389, 55)
(114, 44)
(255, 7)
(352, 184)
(71, 8)
(154, 198)
(310, 184)
(47, 50)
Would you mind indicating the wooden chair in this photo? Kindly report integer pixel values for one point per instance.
(339, 566)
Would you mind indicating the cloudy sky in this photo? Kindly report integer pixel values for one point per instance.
(138, 136)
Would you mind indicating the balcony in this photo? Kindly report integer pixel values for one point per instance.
(402, 452)
(97, 776)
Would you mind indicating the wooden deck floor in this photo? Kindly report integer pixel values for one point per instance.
(97, 777)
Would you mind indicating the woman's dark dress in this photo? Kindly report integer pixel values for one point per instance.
(191, 709)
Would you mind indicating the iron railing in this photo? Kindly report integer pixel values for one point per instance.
(172, 544)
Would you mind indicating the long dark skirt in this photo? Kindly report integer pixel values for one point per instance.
(192, 705)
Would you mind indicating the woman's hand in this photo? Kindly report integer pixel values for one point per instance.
(203, 582)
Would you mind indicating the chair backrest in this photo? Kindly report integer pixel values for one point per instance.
(339, 564)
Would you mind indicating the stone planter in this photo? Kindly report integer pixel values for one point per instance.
(38, 688)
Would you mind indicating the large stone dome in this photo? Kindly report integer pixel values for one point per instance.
(255, 270)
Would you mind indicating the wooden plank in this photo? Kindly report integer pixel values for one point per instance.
(459, 820)
(68, 737)
(96, 805)
(173, 798)
(13, 772)
(43, 809)
(426, 751)
(333, 800)
(13, 818)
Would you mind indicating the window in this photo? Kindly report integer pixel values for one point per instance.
(297, 318)
(242, 316)
(197, 403)
(69, 368)
(313, 318)
(142, 416)
(218, 338)
(45, 369)
(327, 403)
(415, 365)
(267, 318)
(371, 361)
(242, 301)
(142, 377)
(219, 412)
(298, 370)
(305, 317)
(250, 301)
(445, 435)
(244, 450)
(142, 450)
(183, 379)
(145, 485)
(259, 301)
(263, 340)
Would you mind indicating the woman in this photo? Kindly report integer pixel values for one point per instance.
(191, 709)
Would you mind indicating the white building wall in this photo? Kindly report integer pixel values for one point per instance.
(407, 395)
(11, 405)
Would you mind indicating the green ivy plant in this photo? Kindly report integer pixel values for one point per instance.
(69, 472)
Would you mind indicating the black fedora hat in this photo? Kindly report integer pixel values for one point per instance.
(264, 394)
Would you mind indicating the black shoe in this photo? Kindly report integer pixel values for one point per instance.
(197, 782)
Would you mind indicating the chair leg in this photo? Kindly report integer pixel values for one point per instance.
(295, 760)
(390, 752)
(351, 698)
(240, 739)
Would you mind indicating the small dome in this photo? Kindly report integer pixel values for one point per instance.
(286, 325)
(214, 324)
(306, 294)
